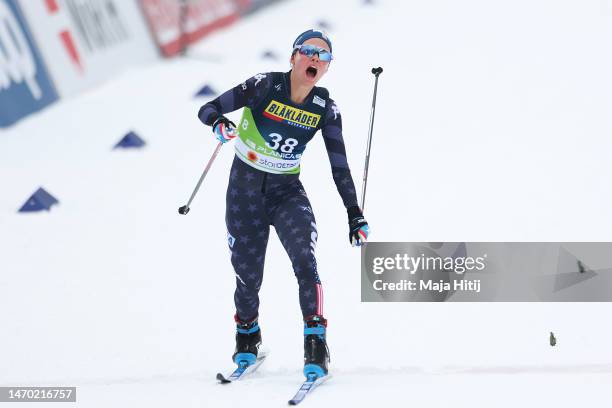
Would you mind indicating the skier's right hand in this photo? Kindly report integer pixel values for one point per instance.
(358, 226)
(224, 129)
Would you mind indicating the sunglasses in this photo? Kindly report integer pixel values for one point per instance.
(310, 50)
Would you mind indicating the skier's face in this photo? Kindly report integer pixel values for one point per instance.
(310, 69)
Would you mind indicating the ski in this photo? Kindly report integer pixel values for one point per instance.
(307, 386)
(242, 370)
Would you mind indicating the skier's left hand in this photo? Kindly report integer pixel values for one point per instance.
(358, 226)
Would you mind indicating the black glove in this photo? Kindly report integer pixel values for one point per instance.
(223, 120)
(358, 226)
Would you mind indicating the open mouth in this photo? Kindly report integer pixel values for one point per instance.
(311, 72)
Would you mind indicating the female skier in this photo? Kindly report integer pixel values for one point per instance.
(282, 113)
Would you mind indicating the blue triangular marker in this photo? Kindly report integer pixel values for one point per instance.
(131, 140)
(206, 91)
(268, 54)
(40, 200)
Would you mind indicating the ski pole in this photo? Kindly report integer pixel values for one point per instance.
(376, 72)
(185, 209)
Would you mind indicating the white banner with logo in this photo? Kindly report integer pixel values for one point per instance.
(84, 42)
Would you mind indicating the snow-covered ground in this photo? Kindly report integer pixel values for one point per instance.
(493, 124)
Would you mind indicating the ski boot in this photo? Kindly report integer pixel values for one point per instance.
(316, 353)
(248, 340)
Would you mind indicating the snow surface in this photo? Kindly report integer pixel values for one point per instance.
(493, 124)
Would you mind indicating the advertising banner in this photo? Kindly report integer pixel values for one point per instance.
(25, 86)
(87, 41)
(175, 24)
(254, 5)
(486, 271)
